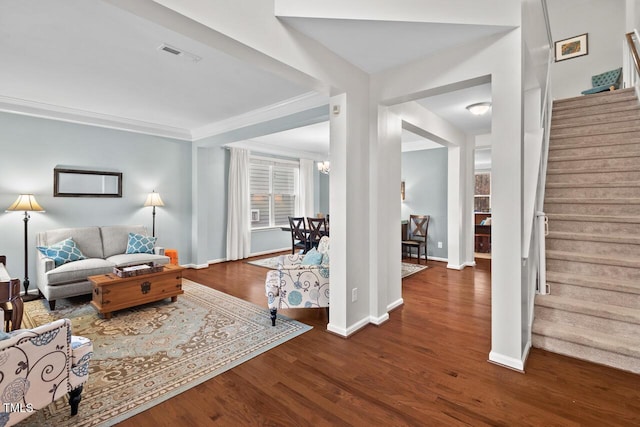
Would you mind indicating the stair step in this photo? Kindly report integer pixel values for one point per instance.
(593, 149)
(591, 259)
(631, 219)
(593, 282)
(599, 99)
(593, 174)
(629, 189)
(602, 156)
(580, 116)
(595, 224)
(617, 321)
(627, 184)
(591, 143)
(587, 337)
(595, 128)
(619, 130)
(566, 171)
(601, 206)
(601, 238)
(590, 354)
(608, 161)
(605, 311)
(594, 289)
(600, 201)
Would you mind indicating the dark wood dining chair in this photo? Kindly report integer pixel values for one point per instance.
(299, 235)
(417, 238)
(317, 229)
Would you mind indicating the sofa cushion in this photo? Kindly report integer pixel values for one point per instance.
(62, 252)
(124, 260)
(116, 237)
(79, 270)
(87, 239)
(140, 244)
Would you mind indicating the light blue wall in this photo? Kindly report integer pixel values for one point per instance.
(31, 147)
(214, 182)
(323, 193)
(425, 176)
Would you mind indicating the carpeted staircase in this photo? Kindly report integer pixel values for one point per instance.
(592, 200)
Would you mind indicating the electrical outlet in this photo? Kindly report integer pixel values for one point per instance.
(354, 294)
(439, 245)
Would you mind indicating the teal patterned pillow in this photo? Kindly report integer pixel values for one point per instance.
(140, 244)
(62, 252)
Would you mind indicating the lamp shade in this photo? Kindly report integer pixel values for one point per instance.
(25, 203)
(153, 199)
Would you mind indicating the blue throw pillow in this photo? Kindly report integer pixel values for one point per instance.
(62, 252)
(313, 257)
(140, 244)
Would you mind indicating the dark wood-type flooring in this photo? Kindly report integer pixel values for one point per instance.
(426, 366)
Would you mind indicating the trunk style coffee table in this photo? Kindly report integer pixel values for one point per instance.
(111, 293)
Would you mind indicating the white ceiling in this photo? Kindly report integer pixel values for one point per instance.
(97, 58)
(375, 46)
(93, 59)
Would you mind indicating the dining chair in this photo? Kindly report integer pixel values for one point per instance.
(299, 234)
(317, 229)
(417, 238)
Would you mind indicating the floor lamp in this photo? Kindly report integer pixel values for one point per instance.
(154, 199)
(26, 203)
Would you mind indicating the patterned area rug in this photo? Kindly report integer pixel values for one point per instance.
(272, 263)
(148, 354)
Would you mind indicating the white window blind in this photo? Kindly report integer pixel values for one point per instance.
(274, 188)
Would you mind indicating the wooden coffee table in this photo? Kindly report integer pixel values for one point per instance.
(111, 293)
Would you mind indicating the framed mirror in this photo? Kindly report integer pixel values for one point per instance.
(86, 183)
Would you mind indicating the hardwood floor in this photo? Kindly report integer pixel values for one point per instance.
(426, 366)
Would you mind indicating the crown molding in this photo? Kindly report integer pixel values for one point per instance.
(261, 147)
(285, 108)
(73, 115)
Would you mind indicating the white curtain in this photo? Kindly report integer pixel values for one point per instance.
(305, 196)
(239, 206)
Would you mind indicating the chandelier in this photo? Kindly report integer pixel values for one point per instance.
(324, 167)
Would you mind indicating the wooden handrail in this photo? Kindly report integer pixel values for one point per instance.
(634, 51)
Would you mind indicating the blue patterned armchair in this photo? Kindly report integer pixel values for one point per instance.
(40, 365)
(296, 285)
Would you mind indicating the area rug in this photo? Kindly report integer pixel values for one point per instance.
(146, 355)
(272, 263)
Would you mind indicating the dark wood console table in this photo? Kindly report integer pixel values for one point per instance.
(10, 299)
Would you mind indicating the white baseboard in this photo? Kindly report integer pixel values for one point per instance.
(379, 320)
(350, 330)
(437, 258)
(395, 304)
(506, 361)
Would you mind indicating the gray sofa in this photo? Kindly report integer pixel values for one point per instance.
(104, 248)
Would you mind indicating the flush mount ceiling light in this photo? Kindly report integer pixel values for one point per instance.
(479, 109)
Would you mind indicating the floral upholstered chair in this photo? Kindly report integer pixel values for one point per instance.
(40, 365)
(301, 281)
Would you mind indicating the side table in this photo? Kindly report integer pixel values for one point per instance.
(11, 302)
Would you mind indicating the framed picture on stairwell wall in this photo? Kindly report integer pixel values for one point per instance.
(572, 47)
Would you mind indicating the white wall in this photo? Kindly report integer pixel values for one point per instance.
(604, 21)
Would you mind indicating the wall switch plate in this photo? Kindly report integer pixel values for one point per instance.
(354, 294)
(439, 245)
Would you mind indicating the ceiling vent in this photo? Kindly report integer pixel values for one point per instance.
(179, 53)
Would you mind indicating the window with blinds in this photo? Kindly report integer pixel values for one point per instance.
(274, 188)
